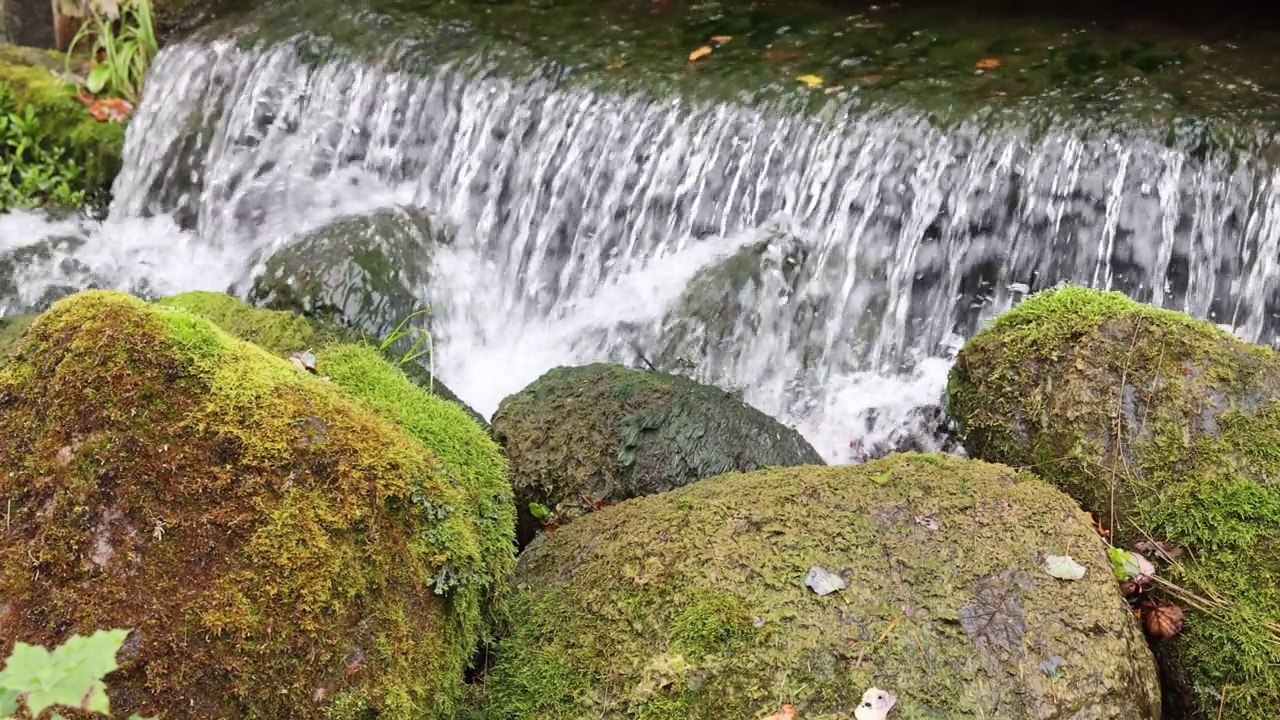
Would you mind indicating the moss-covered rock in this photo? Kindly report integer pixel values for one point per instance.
(693, 604)
(365, 271)
(70, 148)
(1165, 427)
(610, 433)
(284, 333)
(281, 546)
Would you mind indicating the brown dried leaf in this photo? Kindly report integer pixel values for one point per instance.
(1160, 549)
(700, 53)
(988, 63)
(994, 617)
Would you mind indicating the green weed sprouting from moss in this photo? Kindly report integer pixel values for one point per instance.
(422, 336)
(123, 53)
(32, 171)
(70, 675)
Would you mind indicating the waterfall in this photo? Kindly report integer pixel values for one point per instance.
(583, 213)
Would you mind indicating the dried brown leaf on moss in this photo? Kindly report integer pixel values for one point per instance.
(994, 617)
(700, 53)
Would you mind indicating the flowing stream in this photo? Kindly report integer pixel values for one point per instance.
(582, 215)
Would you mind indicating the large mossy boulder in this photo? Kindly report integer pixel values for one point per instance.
(69, 152)
(365, 271)
(1166, 428)
(281, 546)
(694, 604)
(602, 433)
(284, 333)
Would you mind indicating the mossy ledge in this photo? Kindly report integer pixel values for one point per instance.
(279, 549)
(692, 604)
(283, 333)
(1165, 427)
(27, 77)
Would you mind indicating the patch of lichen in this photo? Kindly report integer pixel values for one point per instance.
(610, 433)
(1163, 426)
(284, 333)
(280, 550)
(65, 129)
(692, 603)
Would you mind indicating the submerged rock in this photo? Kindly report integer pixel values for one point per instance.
(281, 546)
(693, 603)
(605, 433)
(284, 333)
(1167, 428)
(367, 271)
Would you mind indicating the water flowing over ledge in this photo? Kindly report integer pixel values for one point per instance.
(582, 214)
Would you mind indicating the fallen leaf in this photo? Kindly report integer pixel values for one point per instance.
(812, 81)
(304, 361)
(1049, 666)
(823, 581)
(1063, 567)
(1159, 548)
(994, 617)
(875, 704)
(928, 523)
(1130, 565)
(617, 63)
(988, 63)
(833, 90)
(788, 712)
(700, 53)
(111, 109)
(721, 39)
(1162, 620)
(870, 79)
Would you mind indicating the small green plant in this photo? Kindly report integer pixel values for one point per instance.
(422, 335)
(69, 676)
(33, 171)
(124, 44)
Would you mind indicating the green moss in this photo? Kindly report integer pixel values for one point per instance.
(609, 433)
(1163, 426)
(285, 333)
(280, 549)
(66, 135)
(692, 604)
(450, 432)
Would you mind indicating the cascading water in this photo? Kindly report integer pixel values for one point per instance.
(582, 216)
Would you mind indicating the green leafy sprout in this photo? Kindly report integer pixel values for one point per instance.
(70, 676)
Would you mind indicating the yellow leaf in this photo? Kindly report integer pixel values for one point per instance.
(617, 63)
(700, 53)
(812, 81)
(721, 39)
